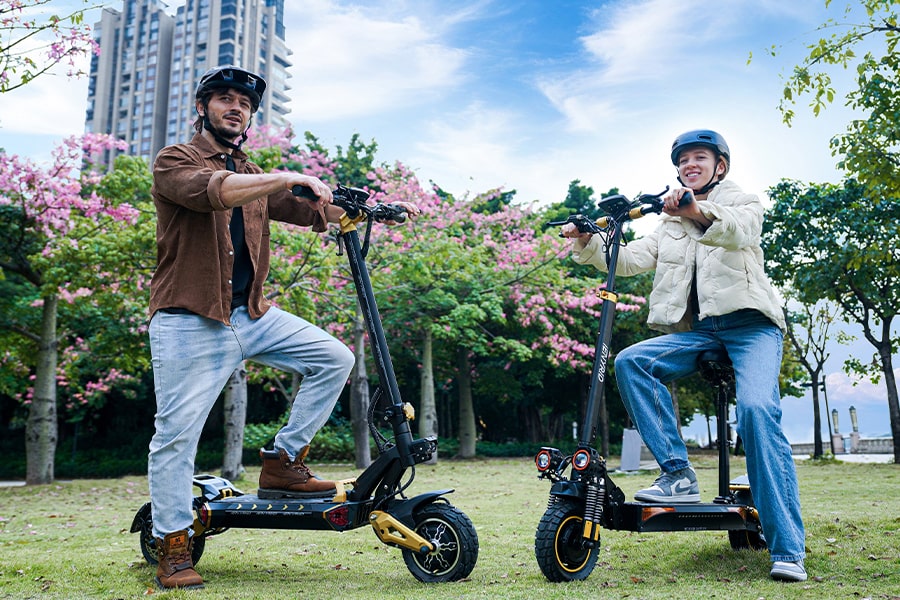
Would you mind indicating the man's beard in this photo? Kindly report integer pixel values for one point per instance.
(224, 129)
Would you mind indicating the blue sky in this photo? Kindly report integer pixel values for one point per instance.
(530, 95)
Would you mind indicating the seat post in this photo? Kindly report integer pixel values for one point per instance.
(716, 369)
(722, 397)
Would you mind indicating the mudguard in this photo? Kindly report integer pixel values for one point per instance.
(403, 510)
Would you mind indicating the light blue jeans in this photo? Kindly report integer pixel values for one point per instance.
(193, 357)
(754, 344)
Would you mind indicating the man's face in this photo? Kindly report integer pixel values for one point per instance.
(229, 112)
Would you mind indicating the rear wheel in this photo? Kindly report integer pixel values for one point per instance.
(148, 542)
(455, 545)
(746, 539)
(562, 552)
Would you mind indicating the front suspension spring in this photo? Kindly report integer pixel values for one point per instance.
(594, 499)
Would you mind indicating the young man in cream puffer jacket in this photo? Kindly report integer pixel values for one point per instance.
(710, 291)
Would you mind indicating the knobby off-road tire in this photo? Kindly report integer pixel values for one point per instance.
(148, 542)
(455, 545)
(561, 551)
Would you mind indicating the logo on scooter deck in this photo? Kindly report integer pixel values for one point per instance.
(251, 505)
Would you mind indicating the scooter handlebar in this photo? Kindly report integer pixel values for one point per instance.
(650, 203)
(353, 201)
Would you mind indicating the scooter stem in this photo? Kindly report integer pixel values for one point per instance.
(380, 353)
(602, 351)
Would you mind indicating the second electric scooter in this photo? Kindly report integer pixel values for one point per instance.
(438, 541)
(583, 497)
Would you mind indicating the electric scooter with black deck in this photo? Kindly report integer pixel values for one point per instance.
(437, 540)
(583, 497)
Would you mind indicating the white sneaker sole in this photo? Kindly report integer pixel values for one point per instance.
(682, 499)
(787, 575)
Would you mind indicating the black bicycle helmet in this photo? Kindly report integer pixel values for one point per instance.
(701, 137)
(229, 76)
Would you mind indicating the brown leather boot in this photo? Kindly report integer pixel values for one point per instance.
(281, 478)
(176, 567)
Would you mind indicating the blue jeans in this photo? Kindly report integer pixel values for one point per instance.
(754, 344)
(193, 357)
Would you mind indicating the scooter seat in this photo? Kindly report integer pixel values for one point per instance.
(715, 367)
(718, 355)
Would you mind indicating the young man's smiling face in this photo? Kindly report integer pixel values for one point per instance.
(229, 112)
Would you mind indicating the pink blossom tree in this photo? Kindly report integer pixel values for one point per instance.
(32, 46)
(62, 255)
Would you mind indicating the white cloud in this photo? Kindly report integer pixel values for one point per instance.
(350, 61)
(856, 389)
(49, 105)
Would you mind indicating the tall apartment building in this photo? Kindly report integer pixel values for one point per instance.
(141, 86)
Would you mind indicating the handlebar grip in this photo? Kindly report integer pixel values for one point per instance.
(304, 192)
(602, 222)
(389, 212)
(397, 216)
(686, 198)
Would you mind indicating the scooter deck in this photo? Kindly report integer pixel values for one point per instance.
(651, 516)
(251, 511)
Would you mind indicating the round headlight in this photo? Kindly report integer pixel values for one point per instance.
(581, 460)
(542, 460)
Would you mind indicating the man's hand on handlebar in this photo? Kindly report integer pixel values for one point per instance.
(402, 210)
(316, 192)
(353, 201)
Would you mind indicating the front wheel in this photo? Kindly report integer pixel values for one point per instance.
(455, 545)
(561, 551)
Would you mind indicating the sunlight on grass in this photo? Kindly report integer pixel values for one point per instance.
(71, 540)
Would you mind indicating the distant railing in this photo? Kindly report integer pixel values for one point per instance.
(852, 444)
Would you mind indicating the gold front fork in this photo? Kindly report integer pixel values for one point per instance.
(394, 533)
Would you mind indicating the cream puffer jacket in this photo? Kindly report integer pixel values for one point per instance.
(727, 257)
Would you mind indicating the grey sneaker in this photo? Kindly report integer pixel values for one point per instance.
(676, 487)
(788, 571)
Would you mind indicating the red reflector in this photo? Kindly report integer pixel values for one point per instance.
(339, 517)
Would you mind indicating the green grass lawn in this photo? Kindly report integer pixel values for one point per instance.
(71, 540)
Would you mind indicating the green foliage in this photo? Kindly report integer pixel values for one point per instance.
(493, 202)
(838, 243)
(812, 77)
(100, 274)
(870, 145)
(353, 166)
(579, 200)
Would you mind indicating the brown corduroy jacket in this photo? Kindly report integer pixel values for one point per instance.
(195, 256)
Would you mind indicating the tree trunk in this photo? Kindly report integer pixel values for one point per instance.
(428, 419)
(235, 409)
(467, 432)
(41, 430)
(359, 395)
(890, 383)
(817, 418)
